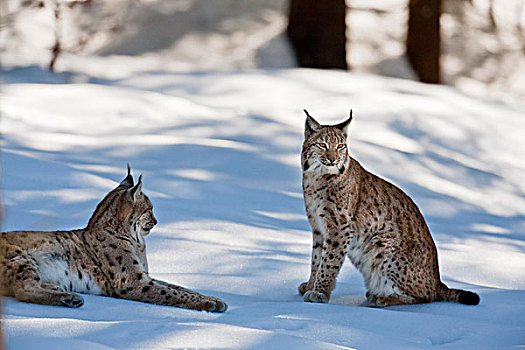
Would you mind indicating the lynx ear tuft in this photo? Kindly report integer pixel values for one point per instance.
(135, 192)
(344, 125)
(311, 125)
(128, 181)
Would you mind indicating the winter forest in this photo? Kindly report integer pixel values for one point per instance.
(205, 99)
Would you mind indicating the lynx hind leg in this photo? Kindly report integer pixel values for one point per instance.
(375, 300)
(30, 291)
(384, 291)
(71, 300)
(25, 286)
(52, 287)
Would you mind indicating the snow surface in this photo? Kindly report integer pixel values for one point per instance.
(220, 158)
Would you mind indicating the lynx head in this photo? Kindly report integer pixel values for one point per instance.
(127, 207)
(324, 146)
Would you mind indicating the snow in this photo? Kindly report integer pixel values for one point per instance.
(220, 157)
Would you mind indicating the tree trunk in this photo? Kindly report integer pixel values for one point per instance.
(423, 39)
(317, 32)
(57, 48)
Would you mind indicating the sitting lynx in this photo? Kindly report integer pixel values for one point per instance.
(108, 258)
(353, 212)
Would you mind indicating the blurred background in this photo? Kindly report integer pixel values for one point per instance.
(475, 45)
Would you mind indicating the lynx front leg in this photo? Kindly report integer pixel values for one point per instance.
(316, 260)
(332, 259)
(162, 293)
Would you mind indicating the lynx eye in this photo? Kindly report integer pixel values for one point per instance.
(341, 146)
(322, 145)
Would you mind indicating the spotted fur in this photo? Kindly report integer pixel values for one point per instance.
(108, 258)
(355, 213)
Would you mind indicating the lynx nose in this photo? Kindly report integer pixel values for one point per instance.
(331, 157)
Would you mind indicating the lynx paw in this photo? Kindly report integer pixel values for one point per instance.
(215, 305)
(315, 297)
(303, 288)
(72, 300)
(220, 306)
(373, 300)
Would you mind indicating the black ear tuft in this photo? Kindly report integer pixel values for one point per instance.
(307, 114)
(134, 192)
(128, 181)
(311, 125)
(344, 125)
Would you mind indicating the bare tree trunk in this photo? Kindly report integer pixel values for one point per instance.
(317, 32)
(56, 49)
(492, 18)
(1, 278)
(423, 39)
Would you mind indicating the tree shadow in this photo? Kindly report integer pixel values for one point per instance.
(236, 174)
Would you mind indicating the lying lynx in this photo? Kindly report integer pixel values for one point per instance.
(108, 258)
(353, 212)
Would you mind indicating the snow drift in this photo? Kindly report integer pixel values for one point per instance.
(220, 158)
